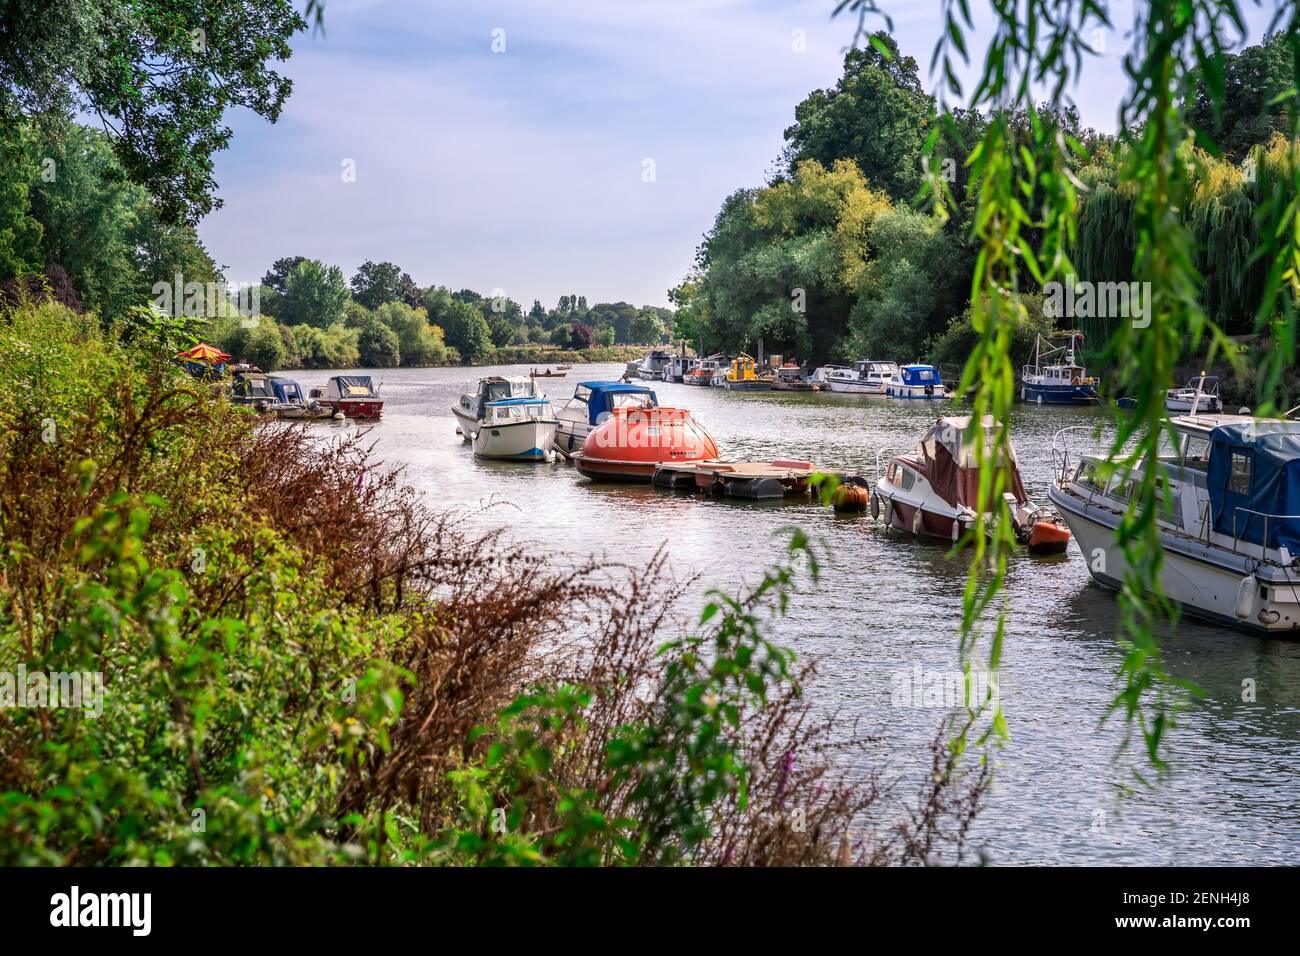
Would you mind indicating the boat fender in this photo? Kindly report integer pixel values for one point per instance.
(916, 522)
(889, 511)
(956, 530)
(1245, 605)
(875, 507)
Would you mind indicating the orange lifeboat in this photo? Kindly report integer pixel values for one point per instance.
(632, 442)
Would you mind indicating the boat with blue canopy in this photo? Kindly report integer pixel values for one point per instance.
(592, 403)
(916, 381)
(1228, 491)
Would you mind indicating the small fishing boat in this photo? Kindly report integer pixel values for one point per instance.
(564, 368)
(1227, 521)
(547, 373)
(743, 376)
(711, 372)
(789, 378)
(633, 442)
(472, 407)
(652, 366)
(516, 429)
(592, 403)
(1201, 394)
(933, 490)
(354, 395)
(755, 480)
(1060, 382)
(916, 382)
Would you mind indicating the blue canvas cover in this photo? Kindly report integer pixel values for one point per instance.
(600, 403)
(1267, 481)
(287, 390)
(919, 375)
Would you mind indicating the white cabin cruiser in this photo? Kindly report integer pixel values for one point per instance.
(1201, 394)
(472, 407)
(516, 429)
(1229, 524)
(865, 378)
(710, 372)
(679, 368)
(821, 375)
(592, 403)
(653, 365)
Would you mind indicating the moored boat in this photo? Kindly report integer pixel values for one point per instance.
(679, 368)
(1228, 522)
(591, 404)
(354, 395)
(652, 367)
(1201, 394)
(867, 377)
(516, 429)
(743, 376)
(711, 372)
(472, 407)
(933, 491)
(790, 378)
(916, 382)
(1058, 381)
(633, 442)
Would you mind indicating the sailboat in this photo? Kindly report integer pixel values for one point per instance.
(1054, 378)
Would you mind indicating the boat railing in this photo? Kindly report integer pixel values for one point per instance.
(883, 450)
(1061, 460)
(1251, 513)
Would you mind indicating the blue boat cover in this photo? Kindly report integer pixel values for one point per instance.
(286, 389)
(600, 400)
(1266, 480)
(919, 375)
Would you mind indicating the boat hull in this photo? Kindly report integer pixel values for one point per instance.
(468, 424)
(854, 388)
(1059, 394)
(356, 408)
(570, 435)
(515, 441)
(916, 392)
(1208, 404)
(747, 386)
(1216, 587)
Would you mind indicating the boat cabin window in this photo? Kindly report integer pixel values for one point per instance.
(630, 399)
(1196, 453)
(1088, 476)
(1239, 477)
(906, 479)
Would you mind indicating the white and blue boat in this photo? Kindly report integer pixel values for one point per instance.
(592, 403)
(916, 382)
(516, 429)
(1059, 382)
(1228, 517)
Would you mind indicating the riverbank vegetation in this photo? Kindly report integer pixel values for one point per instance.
(831, 260)
(303, 664)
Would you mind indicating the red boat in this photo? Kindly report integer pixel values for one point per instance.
(933, 490)
(353, 395)
(632, 442)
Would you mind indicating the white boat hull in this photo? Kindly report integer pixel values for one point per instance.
(916, 392)
(528, 440)
(570, 435)
(1208, 404)
(1208, 582)
(854, 388)
(467, 424)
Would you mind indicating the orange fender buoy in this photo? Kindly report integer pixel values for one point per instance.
(850, 498)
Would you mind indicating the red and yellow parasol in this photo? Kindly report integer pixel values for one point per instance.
(207, 354)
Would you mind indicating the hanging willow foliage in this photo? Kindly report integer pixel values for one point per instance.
(1165, 215)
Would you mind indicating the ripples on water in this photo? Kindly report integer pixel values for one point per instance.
(885, 606)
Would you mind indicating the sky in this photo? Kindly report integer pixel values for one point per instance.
(540, 148)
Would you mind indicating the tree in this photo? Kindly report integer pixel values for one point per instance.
(464, 326)
(378, 346)
(647, 328)
(378, 282)
(581, 336)
(20, 234)
(419, 343)
(159, 78)
(877, 115)
(1254, 105)
(278, 275)
(315, 294)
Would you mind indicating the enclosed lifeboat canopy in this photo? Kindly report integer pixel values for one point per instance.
(631, 442)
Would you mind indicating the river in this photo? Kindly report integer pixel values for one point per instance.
(885, 606)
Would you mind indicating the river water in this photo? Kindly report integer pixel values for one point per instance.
(886, 607)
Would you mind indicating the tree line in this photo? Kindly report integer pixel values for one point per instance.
(835, 259)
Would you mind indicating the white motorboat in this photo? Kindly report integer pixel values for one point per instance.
(1201, 394)
(652, 366)
(846, 381)
(516, 429)
(1229, 521)
(472, 407)
(865, 378)
(916, 381)
(679, 368)
(592, 403)
(821, 375)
